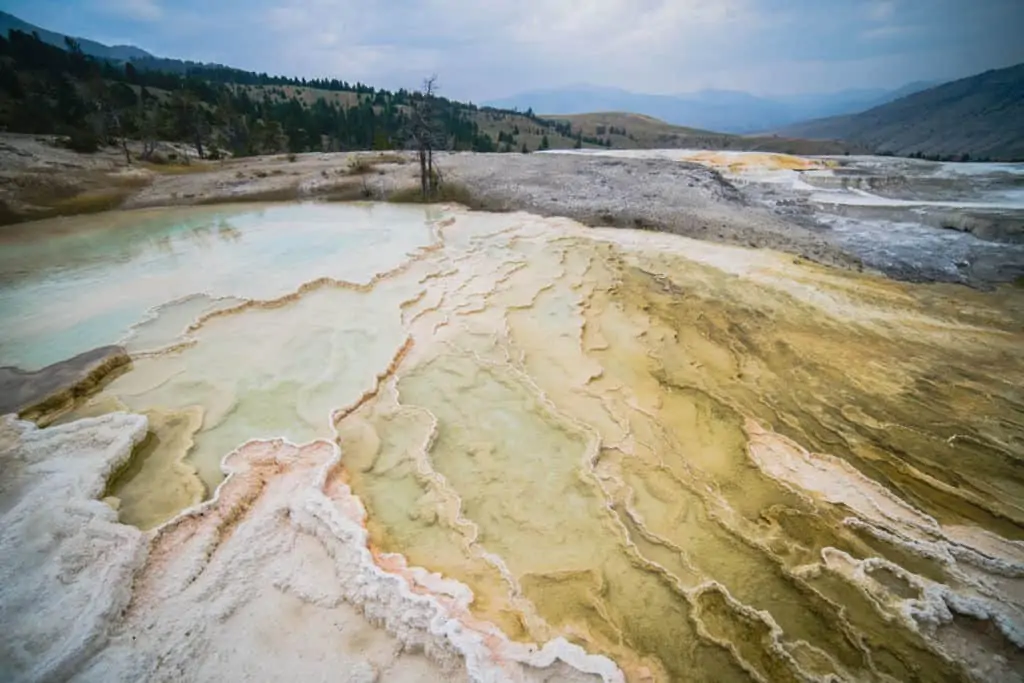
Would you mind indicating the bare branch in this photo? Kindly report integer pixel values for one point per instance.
(427, 134)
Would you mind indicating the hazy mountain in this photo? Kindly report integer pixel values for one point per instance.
(723, 110)
(982, 116)
(850, 101)
(119, 53)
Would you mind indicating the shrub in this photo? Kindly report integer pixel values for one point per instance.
(448, 192)
(292, 157)
(90, 202)
(390, 158)
(84, 141)
(360, 165)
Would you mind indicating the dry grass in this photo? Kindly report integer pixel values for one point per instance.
(132, 181)
(278, 194)
(49, 194)
(178, 169)
(448, 193)
(391, 158)
(92, 201)
(9, 216)
(362, 164)
(348, 192)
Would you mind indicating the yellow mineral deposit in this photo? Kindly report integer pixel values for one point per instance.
(701, 461)
(739, 162)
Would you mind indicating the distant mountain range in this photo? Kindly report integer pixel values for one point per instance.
(720, 110)
(114, 53)
(981, 116)
(120, 53)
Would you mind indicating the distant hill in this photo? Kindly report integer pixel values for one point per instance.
(721, 110)
(981, 116)
(628, 131)
(120, 53)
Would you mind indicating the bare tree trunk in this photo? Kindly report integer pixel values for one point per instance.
(423, 172)
(424, 135)
(124, 138)
(430, 171)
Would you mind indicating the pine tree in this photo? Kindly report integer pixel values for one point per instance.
(47, 89)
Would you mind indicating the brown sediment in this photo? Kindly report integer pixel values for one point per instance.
(370, 393)
(42, 395)
(670, 359)
(159, 458)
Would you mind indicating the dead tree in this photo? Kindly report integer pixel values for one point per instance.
(117, 119)
(149, 129)
(427, 135)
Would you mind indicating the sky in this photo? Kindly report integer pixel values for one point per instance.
(485, 49)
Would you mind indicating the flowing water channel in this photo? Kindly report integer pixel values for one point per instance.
(701, 462)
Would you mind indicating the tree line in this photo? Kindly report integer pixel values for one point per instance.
(45, 89)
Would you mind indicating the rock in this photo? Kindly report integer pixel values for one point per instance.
(39, 394)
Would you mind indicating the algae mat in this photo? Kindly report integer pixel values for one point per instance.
(694, 461)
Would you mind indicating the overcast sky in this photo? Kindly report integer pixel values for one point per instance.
(484, 49)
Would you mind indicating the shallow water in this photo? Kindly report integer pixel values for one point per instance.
(705, 462)
(101, 275)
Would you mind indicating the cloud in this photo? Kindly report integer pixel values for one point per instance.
(881, 10)
(138, 10)
(483, 50)
(886, 32)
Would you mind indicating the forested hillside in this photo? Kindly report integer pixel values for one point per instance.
(45, 89)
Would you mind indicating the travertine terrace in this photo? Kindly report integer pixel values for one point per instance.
(432, 444)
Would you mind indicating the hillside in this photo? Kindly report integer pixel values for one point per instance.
(721, 110)
(9, 22)
(636, 131)
(509, 131)
(980, 117)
